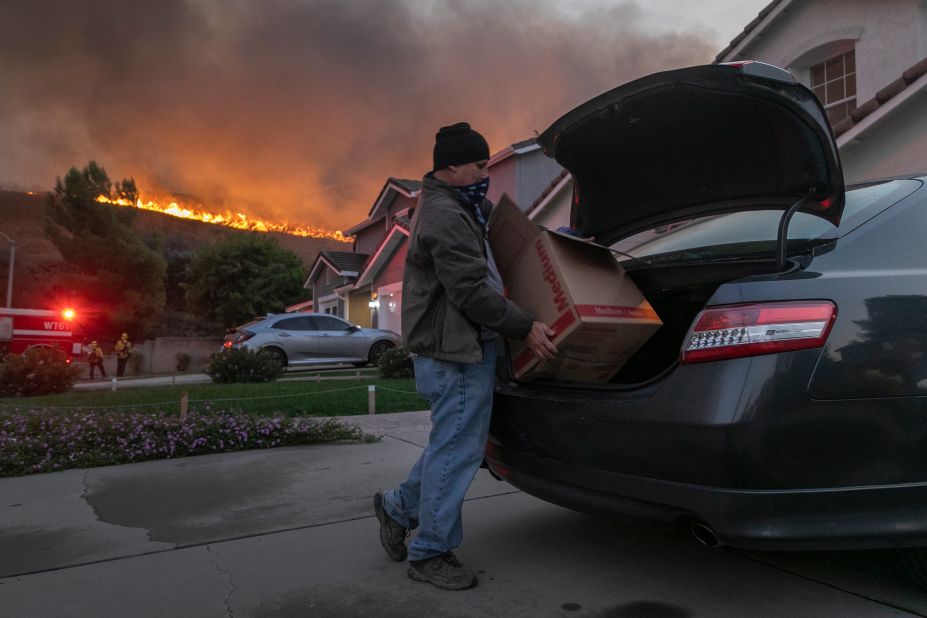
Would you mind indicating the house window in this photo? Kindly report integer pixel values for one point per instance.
(834, 83)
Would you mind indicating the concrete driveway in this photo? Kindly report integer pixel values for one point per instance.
(290, 532)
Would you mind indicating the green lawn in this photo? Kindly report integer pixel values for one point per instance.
(335, 398)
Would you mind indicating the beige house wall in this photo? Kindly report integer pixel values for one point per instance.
(358, 309)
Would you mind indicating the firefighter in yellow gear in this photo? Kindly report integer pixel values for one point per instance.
(95, 359)
(123, 352)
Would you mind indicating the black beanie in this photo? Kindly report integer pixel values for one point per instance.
(459, 144)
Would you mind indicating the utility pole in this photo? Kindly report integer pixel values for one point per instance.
(9, 278)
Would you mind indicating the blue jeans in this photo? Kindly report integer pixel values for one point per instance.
(432, 496)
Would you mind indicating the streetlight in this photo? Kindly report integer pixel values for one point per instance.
(9, 278)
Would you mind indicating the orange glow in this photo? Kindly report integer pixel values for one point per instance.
(234, 220)
(68, 314)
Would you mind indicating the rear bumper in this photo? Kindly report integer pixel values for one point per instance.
(846, 518)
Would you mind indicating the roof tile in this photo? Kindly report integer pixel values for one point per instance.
(915, 72)
(891, 90)
(865, 109)
(882, 96)
(346, 260)
(753, 24)
(843, 126)
(747, 29)
(766, 10)
(409, 185)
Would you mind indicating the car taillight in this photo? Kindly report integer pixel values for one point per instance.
(736, 331)
(242, 335)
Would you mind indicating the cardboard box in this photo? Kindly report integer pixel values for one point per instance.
(577, 288)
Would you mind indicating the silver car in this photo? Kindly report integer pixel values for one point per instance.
(312, 339)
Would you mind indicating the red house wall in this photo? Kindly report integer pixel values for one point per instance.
(367, 239)
(393, 271)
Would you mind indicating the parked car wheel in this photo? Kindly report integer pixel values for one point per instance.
(377, 350)
(278, 355)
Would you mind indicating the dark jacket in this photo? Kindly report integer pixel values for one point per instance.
(445, 295)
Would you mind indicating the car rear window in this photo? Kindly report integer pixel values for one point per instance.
(330, 323)
(754, 231)
(297, 323)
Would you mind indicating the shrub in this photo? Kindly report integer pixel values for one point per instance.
(182, 361)
(396, 363)
(37, 371)
(47, 440)
(243, 366)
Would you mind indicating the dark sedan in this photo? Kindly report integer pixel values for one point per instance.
(783, 404)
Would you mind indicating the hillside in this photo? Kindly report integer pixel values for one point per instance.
(22, 218)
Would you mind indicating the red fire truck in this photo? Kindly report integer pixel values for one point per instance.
(21, 329)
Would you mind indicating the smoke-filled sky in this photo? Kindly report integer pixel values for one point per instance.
(299, 110)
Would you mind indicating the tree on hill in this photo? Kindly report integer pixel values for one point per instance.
(233, 281)
(114, 278)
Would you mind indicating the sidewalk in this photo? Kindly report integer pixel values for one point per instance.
(107, 383)
(298, 375)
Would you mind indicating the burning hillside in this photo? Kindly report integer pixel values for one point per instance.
(267, 104)
(236, 220)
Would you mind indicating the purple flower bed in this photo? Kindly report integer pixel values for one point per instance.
(44, 440)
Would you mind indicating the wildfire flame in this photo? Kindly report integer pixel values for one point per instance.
(235, 220)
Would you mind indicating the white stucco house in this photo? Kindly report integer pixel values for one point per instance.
(867, 62)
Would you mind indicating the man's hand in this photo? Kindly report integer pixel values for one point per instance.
(538, 340)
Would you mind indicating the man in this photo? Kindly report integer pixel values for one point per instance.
(123, 352)
(452, 309)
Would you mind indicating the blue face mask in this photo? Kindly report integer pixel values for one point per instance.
(474, 195)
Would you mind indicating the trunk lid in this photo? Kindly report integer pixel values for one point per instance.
(693, 142)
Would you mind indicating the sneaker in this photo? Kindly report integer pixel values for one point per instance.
(392, 535)
(444, 571)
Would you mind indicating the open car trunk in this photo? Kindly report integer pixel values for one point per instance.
(694, 142)
(688, 144)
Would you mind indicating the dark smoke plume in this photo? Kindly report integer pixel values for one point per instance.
(296, 110)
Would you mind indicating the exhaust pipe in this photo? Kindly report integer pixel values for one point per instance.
(705, 535)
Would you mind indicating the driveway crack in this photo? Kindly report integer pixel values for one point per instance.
(228, 576)
(397, 438)
(83, 495)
